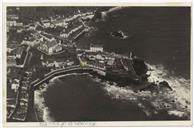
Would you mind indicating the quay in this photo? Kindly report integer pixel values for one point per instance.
(42, 46)
(25, 98)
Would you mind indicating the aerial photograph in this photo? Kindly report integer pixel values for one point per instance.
(98, 63)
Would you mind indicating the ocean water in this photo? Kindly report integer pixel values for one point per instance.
(160, 36)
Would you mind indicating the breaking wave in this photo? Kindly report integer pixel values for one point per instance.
(175, 102)
(42, 109)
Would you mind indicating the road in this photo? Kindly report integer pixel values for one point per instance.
(73, 69)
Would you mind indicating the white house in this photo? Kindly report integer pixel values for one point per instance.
(19, 52)
(96, 48)
(11, 23)
(15, 85)
(19, 24)
(50, 47)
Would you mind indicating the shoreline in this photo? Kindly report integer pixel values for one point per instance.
(111, 90)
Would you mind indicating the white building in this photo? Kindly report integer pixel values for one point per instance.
(11, 61)
(50, 47)
(19, 24)
(47, 24)
(15, 85)
(111, 61)
(11, 23)
(12, 17)
(96, 48)
(19, 52)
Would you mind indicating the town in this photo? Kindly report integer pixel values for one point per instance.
(43, 49)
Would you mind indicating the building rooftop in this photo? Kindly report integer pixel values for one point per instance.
(19, 50)
(11, 61)
(51, 43)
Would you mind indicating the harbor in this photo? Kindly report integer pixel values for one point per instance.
(60, 46)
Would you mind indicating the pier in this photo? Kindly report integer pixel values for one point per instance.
(25, 97)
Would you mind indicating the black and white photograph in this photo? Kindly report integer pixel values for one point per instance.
(98, 63)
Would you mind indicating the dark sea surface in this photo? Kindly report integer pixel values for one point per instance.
(161, 36)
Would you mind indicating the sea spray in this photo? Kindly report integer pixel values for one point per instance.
(42, 109)
(175, 102)
(181, 90)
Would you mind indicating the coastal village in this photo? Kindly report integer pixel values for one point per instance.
(41, 50)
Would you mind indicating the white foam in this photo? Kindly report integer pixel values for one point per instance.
(175, 112)
(43, 111)
(150, 102)
(46, 115)
(157, 101)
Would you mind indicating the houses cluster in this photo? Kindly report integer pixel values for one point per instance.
(95, 56)
(15, 57)
(48, 44)
(66, 27)
(31, 26)
(13, 21)
(96, 48)
(22, 99)
(53, 23)
(93, 48)
(60, 21)
(92, 56)
(11, 61)
(67, 33)
(58, 64)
